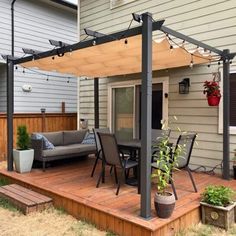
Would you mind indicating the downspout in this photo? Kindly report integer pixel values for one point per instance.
(12, 28)
(10, 96)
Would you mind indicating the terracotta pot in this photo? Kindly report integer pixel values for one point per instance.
(213, 100)
(164, 204)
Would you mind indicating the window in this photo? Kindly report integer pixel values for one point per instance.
(118, 3)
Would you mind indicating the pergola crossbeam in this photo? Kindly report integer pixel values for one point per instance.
(190, 40)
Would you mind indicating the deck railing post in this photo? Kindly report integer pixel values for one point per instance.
(226, 115)
(146, 115)
(10, 110)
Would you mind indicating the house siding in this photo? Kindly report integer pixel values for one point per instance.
(35, 23)
(212, 22)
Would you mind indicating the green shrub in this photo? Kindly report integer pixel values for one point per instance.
(23, 138)
(218, 195)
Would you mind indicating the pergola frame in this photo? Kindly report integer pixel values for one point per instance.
(146, 31)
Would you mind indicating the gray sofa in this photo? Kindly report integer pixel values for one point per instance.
(67, 144)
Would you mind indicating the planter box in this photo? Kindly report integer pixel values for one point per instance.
(222, 217)
(23, 160)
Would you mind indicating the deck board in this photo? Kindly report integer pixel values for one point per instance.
(71, 187)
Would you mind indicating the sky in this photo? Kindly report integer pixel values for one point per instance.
(72, 1)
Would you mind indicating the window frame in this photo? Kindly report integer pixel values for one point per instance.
(232, 129)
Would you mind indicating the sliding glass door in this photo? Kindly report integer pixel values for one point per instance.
(123, 112)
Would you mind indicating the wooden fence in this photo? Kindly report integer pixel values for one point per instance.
(35, 123)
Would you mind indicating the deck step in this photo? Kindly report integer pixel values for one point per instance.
(24, 199)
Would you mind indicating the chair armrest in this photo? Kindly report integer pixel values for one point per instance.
(37, 145)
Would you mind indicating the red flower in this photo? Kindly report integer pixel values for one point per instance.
(211, 88)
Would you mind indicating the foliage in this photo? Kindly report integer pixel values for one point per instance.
(23, 138)
(218, 195)
(211, 88)
(3, 181)
(167, 158)
(4, 203)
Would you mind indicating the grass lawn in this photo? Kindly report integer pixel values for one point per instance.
(206, 230)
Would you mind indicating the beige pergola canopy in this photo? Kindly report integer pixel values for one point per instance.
(118, 57)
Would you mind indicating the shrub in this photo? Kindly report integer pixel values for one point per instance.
(218, 195)
(23, 138)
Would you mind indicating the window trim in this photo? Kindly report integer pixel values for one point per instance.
(133, 83)
(232, 129)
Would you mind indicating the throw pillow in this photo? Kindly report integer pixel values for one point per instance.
(46, 143)
(89, 139)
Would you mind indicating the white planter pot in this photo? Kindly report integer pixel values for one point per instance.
(23, 160)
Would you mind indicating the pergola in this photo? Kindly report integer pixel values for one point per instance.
(125, 52)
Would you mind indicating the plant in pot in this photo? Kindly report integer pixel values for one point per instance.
(217, 206)
(166, 160)
(23, 156)
(212, 91)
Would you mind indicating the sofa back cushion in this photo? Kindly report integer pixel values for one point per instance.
(56, 138)
(74, 136)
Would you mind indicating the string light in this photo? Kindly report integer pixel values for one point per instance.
(53, 58)
(47, 78)
(191, 62)
(68, 80)
(70, 52)
(126, 41)
(171, 48)
(209, 64)
(94, 42)
(16, 68)
(219, 63)
(23, 70)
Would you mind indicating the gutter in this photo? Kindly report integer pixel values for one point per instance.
(66, 4)
(12, 28)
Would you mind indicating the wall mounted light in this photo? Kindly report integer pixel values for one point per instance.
(184, 86)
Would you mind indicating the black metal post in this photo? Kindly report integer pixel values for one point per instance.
(226, 114)
(146, 116)
(10, 109)
(96, 103)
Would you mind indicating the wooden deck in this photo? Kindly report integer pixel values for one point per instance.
(71, 187)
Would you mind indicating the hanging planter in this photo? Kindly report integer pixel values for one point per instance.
(213, 100)
(212, 90)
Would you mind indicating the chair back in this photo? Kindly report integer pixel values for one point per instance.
(159, 133)
(97, 141)
(110, 149)
(187, 141)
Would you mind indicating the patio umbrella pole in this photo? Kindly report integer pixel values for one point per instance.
(10, 108)
(226, 114)
(146, 106)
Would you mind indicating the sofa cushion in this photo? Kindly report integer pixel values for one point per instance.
(46, 144)
(56, 138)
(74, 136)
(89, 139)
(74, 149)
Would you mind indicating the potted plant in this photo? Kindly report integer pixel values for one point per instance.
(166, 159)
(217, 206)
(23, 156)
(212, 91)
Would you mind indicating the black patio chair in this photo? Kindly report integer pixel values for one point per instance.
(113, 157)
(98, 154)
(186, 140)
